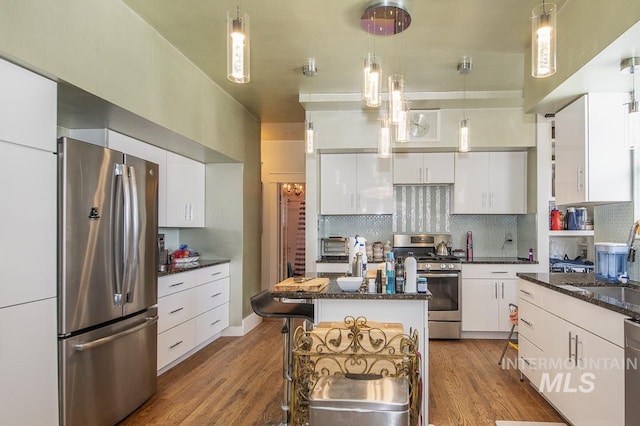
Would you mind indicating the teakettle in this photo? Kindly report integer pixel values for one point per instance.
(441, 249)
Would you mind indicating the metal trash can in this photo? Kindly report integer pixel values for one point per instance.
(355, 401)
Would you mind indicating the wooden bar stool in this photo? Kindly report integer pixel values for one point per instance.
(267, 307)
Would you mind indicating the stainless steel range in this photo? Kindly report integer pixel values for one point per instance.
(442, 272)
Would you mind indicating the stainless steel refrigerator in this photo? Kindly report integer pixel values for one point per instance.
(107, 283)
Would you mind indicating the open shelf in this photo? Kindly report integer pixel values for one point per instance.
(581, 233)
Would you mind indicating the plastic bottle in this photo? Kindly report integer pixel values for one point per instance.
(372, 285)
(411, 273)
(391, 274)
(530, 255)
(469, 246)
(363, 252)
(400, 279)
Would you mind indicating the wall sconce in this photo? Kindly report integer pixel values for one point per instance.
(632, 118)
(309, 137)
(543, 40)
(293, 189)
(238, 46)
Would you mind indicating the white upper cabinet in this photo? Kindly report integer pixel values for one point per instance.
(593, 163)
(355, 184)
(27, 108)
(147, 152)
(420, 168)
(185, 192)
(490, 183)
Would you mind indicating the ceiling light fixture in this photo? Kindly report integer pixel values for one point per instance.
(238, 46)
(309, 137)
(464, 131)
(632, 128)
(310, 69)
(402, 127)
(372, 81)
(543, 40)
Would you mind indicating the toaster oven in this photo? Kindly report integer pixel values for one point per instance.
(334, 248)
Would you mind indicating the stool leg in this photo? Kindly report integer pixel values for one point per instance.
(287, 348)
(507, 345)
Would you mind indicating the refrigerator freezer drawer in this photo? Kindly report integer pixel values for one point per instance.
(108, 372)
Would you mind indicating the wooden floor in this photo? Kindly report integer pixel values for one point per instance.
(238, 381)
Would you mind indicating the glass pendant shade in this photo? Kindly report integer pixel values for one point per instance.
(384, 139)
(396, 97)
(464, 136)
(309, 138)
(543, 40)
(402, 127)
(238, 46)
(633, 125)
(372, 81)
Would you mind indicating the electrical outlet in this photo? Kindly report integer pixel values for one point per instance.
(508, 236)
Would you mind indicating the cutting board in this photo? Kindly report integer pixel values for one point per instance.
(310, 284)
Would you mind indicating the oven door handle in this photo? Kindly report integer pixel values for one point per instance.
(439, 275)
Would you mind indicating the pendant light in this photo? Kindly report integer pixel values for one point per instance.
(238, 46)
(543, 40)
(309, 137)
(402, 127)
(632, 118)
(396, 97)
(384, 138)
(464, 132)
(372, 81)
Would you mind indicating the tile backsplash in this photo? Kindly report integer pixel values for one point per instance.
(427, 209)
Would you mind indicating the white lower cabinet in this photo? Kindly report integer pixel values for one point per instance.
(487, 291)
(572, 352)
(193, 308)
(29, 382)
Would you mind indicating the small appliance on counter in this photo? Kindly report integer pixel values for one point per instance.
(163, 255)
(611, 260)
(334, 248)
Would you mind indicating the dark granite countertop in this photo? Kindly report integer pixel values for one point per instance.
(501, 260)
(553, 281)
(332, 291)
(176, 268)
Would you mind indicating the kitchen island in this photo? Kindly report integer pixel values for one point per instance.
(333, 305)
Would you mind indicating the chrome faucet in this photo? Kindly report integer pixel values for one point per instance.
(631, 253)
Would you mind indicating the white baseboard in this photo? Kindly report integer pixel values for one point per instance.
(248, 324)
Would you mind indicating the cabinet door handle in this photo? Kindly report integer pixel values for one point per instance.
(579, 178)
(216, 273)
(217, 294)
(215, 322)
(426, 175)
(484, 199)
(526, 361)
(530, 324)
(176, 284)
(186, 211)
(576, 353)
(502, 289)
(491, 199)
(528, 293)
(419, 174)
(570, 339)
(176, 310)
(175, 344)
(352, 200)
(495, 288)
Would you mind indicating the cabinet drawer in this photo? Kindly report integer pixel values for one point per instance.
(211, 323)
(176, 282)
(530, 322)
(213, 273)
(532, 293)
(176, 342)
(212, 294)
(176, 309)
(529, 357)
(499, 271)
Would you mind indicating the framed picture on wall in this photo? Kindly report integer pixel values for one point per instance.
(424, 125)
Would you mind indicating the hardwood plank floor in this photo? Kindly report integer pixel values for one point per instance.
(238, 381)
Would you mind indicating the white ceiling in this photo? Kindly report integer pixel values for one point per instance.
(284, 33)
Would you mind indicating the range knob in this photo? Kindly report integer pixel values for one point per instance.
(451, 266)
(443, 266)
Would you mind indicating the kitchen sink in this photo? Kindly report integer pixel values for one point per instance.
(623, 294)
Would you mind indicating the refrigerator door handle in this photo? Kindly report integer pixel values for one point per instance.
(118, 245)
(134, 235)
(148, 321)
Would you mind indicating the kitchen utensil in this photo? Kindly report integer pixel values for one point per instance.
(442, 249)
